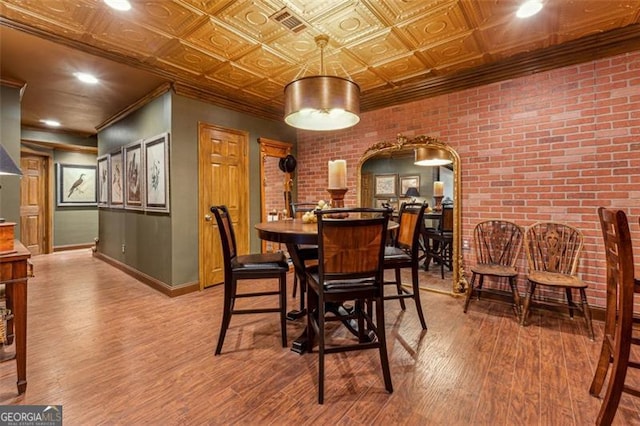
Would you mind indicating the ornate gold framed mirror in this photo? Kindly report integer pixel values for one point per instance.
(374, 189)
(274, 183)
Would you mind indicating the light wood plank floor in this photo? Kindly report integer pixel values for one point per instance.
(113, 351)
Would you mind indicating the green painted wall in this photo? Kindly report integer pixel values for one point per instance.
(10, 139)
(73, 225)
(165, 246)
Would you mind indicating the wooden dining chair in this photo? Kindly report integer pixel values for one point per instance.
(498, 244)
(258, 266)
(619, 319)
(553, 252)
(350, 269)
(405, 253)
(439, 242)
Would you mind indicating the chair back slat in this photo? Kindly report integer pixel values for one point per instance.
(299, 209)
(411, 221)
(498, 242)
(227, 235)
(354, 247)
(553, 247)
(446, 221)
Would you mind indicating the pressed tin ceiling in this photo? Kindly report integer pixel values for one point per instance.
(236, 54)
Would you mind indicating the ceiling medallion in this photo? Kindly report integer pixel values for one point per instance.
(322, 102)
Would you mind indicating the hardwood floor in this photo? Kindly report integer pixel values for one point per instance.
(111, 350)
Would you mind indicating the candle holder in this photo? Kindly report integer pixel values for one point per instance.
(337, 201)
(438, 205)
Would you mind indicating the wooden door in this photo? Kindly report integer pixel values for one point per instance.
(366, 190)
(223, 180)
(33, 203)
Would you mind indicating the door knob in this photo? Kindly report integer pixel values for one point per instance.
(207, 217)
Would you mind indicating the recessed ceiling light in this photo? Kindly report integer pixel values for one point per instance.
(123, 5)
(529, 8)
(51, 123)
(86, 78)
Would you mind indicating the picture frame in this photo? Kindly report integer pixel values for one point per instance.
(103, 179)
(406, 182)
(116, 184)
(386, 185)
(76, 185)
(133, 176)
(156, 158)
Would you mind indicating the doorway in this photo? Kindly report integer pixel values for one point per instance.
(36, 202)
(223, 180)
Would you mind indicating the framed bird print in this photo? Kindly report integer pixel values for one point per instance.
(103, 181)
(156, 160)
(116, 189)
(76, 185)
(133, 176)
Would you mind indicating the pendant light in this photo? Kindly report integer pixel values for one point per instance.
(431, 156)
(322, 102)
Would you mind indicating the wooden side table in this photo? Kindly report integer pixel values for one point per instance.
(14, 273)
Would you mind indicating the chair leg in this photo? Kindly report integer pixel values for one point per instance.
(226, 315)
(569, 301)
(295, 284)
(601, 369)
(399, 289)
(321, 324)
(587, 313)
(527, 302)
(469, 292)
(615, 387)
(382, 340)
(283, 307)
(516, 297)
(416, 294)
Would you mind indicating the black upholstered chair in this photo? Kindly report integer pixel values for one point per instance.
(439, 242)
(405, 253)
(248, 267)
(350, 268)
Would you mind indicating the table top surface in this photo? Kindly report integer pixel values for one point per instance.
(295, 231)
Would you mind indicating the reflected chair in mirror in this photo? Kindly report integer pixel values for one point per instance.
(405, 253)
(350, 269)
(255, 267)
(553, 252)
(618, 337)
(439, 242)
(498, 244)
(308, 254)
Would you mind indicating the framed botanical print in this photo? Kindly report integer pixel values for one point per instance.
(116, 190)
(103, 181)
(156, 158)
(133, 176)
(385, 185)
(407, 182)
(76, 185)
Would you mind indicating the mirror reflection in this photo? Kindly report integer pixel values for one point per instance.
(387, 174)
(275, 188)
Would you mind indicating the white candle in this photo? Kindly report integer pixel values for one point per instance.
(438, 189)
(337, 174)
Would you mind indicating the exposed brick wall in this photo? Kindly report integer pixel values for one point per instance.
(550, 146)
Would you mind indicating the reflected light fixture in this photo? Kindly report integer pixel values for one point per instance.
(322, 102)
(431, 156)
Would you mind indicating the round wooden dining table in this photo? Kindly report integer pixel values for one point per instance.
(294, 233)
